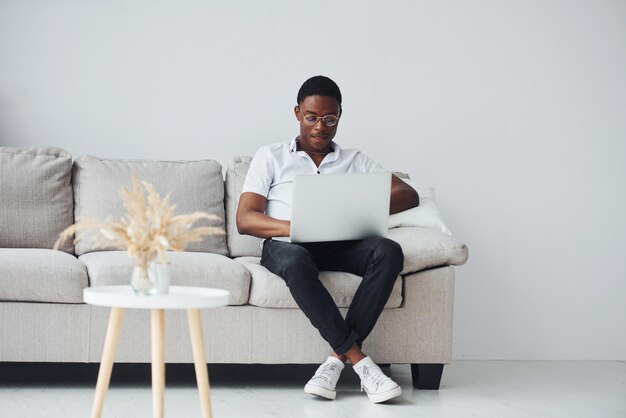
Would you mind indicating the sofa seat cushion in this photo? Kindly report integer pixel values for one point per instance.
(427, 248)
(41, 275)
(188, 269)
(268, 290)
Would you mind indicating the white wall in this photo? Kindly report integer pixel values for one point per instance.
(514, 111)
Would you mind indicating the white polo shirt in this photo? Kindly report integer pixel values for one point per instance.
(274, 166)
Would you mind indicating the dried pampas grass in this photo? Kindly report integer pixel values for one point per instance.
(147, 230)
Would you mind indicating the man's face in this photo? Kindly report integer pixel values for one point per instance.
(317, 137)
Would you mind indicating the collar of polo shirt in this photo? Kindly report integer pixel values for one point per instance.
(334, 155)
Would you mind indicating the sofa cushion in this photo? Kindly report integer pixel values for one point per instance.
(238, 245)
(425, 215)
(41, 275)
(268, 290)
(36, 201)
(188, 269)
(194, 186)
(427, 248)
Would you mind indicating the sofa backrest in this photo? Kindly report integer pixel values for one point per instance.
(36, 201)
(238, 245)
(194, 186)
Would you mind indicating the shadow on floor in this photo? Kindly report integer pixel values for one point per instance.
(181, 375)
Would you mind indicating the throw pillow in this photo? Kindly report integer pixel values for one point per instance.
(426, 215)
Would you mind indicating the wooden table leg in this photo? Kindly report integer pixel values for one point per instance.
(202, 373)
(106, 364)
(158, 361)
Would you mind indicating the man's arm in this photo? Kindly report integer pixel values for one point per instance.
(403, 196)
(252, 220)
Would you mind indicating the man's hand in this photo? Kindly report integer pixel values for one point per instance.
(403, 196)
(252, 220)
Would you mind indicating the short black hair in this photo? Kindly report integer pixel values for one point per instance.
(319, 86)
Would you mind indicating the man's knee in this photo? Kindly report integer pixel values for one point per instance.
(389, 252)
(296, 262)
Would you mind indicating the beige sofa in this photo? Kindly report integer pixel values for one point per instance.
(43, 317)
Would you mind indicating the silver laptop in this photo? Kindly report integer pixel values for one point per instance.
(338, 207)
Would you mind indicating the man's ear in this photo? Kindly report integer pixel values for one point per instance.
(296, 111)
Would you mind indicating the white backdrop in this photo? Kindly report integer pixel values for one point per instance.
(514, 111)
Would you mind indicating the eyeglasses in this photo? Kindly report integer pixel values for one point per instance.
(328, 120)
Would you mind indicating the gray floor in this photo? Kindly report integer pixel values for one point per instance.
(502, 389)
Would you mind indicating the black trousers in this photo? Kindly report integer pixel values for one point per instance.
(377, 260)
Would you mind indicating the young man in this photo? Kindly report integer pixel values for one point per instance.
(265, 211)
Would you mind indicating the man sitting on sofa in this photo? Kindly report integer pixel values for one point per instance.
(264, 211)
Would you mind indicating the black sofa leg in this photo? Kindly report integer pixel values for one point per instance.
(426, 376)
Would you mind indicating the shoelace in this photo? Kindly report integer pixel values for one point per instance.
(374, 376)
(328, 372)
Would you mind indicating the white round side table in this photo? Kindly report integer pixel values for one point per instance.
(180, 297)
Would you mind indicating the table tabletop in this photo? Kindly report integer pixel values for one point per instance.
(179, 297)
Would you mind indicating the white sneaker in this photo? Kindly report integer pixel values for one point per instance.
(325, 379)
(378, 386)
